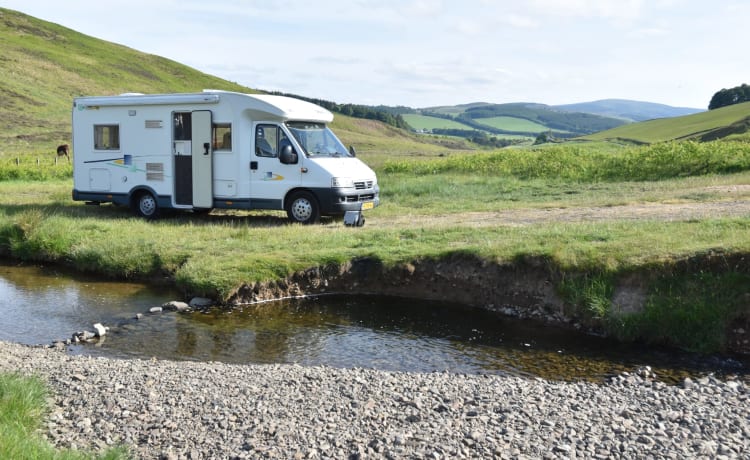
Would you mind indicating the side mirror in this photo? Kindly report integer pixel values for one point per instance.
(288, 156)
(352, 152)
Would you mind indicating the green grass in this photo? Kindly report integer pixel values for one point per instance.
(23, 404)
(215, 254)
(572, 163)
(688, 308)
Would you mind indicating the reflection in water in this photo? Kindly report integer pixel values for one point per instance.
(376, 332)
(39, 305)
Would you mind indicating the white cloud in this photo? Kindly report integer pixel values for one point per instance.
(649, 32)
(520, 21)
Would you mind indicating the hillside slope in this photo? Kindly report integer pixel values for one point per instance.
(705, 126)
(44, 66)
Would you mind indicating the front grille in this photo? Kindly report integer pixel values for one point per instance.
(363, 185)
(357, 198)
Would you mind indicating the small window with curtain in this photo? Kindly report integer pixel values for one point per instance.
(222, 136)
(106, 137)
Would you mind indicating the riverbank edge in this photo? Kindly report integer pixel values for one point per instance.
(527, 288)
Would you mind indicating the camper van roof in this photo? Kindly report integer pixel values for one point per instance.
(281, 107)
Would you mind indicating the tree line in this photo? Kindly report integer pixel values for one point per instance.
(389, 117)
(731, 96)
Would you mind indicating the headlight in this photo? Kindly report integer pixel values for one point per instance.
(342, 182)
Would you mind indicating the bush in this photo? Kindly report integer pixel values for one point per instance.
(573, 163)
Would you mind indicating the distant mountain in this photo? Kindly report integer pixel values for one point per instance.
(628, 110)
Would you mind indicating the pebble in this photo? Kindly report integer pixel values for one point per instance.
(191, 410)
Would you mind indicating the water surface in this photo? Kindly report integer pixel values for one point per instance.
(40, 305)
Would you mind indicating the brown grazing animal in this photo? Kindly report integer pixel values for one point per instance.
(63, 150)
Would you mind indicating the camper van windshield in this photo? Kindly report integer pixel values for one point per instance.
(316, 139)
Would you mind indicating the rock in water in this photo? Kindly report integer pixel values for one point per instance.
(100, 330)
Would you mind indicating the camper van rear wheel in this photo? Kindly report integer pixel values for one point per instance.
(302, 207)
(146, 206)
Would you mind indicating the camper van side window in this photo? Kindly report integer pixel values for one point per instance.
(222, 136)
(106, 137)
(266, 140)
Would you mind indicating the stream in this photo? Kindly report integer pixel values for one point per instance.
(40, 305)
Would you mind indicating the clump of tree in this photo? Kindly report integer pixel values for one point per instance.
(546, 138)
(731, 96)
(388, 116)
(477, 137)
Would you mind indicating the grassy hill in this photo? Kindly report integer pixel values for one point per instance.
(726, 122)
(43, 66)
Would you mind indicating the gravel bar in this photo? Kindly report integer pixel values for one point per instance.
(191, 410)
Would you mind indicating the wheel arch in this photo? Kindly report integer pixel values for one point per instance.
(136, 191)
(291, 192)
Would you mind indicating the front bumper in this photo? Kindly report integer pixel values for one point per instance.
(336, 201)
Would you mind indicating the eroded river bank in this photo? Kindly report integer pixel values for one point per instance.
(393, 333)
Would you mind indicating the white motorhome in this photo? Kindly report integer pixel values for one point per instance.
(215, 149)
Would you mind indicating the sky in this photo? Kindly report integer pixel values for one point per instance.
(427, 53)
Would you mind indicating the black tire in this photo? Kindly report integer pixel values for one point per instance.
(146, 206)
(303, 208)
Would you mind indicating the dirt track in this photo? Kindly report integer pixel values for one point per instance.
(519, 217)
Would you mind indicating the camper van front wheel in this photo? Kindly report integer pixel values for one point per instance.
(145, 206)
(303, 208)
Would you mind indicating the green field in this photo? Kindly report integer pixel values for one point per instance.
(513, 124)
(423, 122)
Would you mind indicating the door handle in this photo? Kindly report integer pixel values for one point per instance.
(206, 146)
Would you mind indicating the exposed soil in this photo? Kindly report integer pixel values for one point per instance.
(525, 288)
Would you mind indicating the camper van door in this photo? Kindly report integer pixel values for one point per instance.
(202, 151)
(270, 179)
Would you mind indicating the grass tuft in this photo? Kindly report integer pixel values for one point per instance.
(23, 405)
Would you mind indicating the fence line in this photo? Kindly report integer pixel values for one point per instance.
(40, 161)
